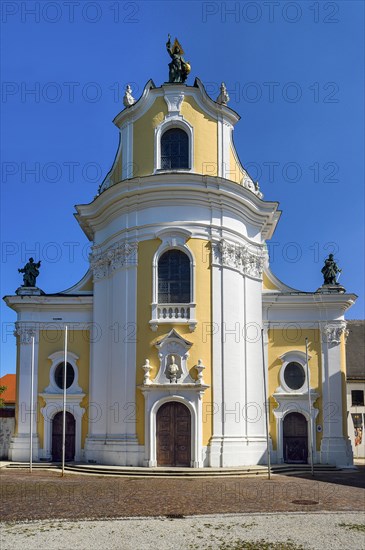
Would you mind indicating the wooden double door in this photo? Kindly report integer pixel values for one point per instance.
(173, 432)
(295, 432)
(57, 424)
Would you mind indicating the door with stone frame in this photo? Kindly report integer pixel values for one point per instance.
(57, 424)
(173, 435)
(295, 438)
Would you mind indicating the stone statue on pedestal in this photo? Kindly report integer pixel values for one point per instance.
(173, 370)
(128, 99)
(178, 68)
(330, 270)
(31, 272)
(223, 97)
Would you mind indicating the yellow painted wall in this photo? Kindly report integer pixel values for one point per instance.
(282, 341)
(144, 138)
(146, 338)
(51, 341)
(88, 285)
(205, 137)
(267, 284)
(116, 174)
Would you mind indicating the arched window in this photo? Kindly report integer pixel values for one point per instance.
(174, 278)
(174, 150)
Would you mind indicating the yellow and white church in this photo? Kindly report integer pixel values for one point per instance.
(179, 319)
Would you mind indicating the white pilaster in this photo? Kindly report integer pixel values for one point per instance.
(215, 409)
(254, 398)
(127, 150)
(238, 420)
(335, 447)
(19, 449)
(113, 440)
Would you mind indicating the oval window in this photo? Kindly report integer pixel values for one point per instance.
(59, 376)
(294, 376)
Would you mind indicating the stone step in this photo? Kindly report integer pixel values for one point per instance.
(248, 471)
(150, 472)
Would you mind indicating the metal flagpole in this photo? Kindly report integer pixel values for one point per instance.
(31, 409)
(267, 409)
(64, 405)
(310, 408)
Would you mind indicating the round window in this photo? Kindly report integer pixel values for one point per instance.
(294, 376)
(59, 375)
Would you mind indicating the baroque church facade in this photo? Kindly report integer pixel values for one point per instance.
(179, 324)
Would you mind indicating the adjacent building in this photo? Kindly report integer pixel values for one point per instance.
(7, 413)
(355, 361)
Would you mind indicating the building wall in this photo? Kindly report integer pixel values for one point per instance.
(51, 341)
(143, 138)
(282, 341)
(7, 428)
(146, 339)
(356, 436)
(228, 294)
(205, 137)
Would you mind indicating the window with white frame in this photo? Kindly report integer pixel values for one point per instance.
(173, 292)
(56, 373)
(174, 145)
(174, 278)
(174, 150)
(293, 373)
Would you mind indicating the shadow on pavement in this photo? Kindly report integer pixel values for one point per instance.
(351, 478)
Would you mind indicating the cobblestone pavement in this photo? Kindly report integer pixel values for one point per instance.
(46, 495)
(282, 531)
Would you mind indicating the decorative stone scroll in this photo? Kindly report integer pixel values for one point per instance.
(114, 257)
(174, 101)
(252, 186)
(333, 332)
(249, 260)
(25, 332)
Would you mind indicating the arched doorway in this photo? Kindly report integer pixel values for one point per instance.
(295, 438)
(173, 433)
(57, 437)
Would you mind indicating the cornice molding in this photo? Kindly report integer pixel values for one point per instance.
(177, 190)
(287, 300)
(198, 92)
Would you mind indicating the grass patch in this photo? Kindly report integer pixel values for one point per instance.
(259, 545)
(240, 544)
(353, 526)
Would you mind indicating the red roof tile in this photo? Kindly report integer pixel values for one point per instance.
(9, 380)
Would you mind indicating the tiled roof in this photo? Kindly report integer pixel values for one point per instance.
(355, 350)
(8, 380)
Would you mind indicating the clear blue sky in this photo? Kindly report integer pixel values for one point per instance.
(295, 74)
